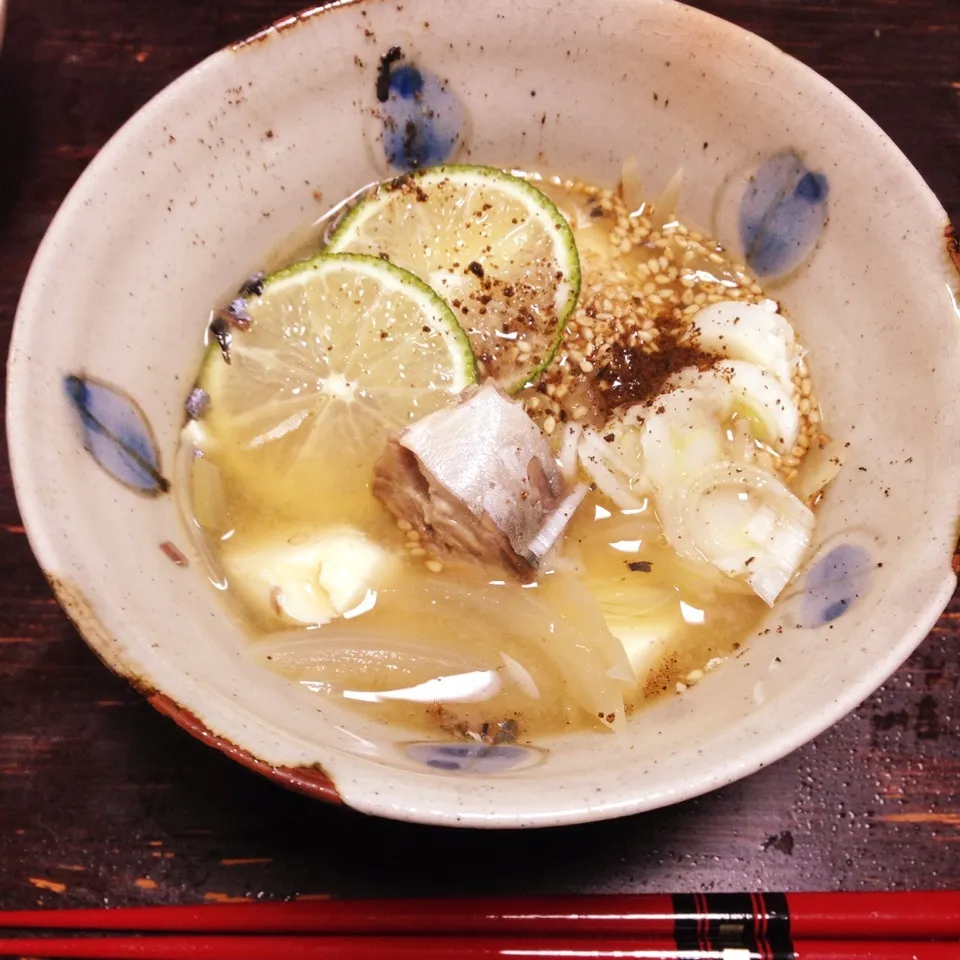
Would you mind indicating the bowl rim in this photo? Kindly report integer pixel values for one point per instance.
(312, 781)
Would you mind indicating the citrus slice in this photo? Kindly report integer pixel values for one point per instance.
(342, 352)
(499, 252)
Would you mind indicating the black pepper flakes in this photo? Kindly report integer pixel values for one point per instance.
(197, 403)
(220, 329)
(236, 313)
(253, 285)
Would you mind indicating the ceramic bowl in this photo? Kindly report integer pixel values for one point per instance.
(260, 139)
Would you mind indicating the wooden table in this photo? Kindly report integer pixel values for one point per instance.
(102, 800)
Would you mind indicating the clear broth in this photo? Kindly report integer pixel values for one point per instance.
(463, 649)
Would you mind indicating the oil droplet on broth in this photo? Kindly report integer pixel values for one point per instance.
(462, 650)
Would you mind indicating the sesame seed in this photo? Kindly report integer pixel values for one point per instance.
(404, 525)
(549, 425)
(418, 552)
(434, 566)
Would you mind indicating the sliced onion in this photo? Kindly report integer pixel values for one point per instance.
(742, 388)
(819, 467)
(752, 332)
(611, 476)
(567, 454)
(630, 187)
(347, 656)
(683, 435)
(592, 661)
(554, 630)
(746, 522)
(665, 209)
(521, 676)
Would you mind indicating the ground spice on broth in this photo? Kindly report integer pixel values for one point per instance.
(645, 277)
(633, 375)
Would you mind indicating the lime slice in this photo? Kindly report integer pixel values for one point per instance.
(343, 352)
(499, 252)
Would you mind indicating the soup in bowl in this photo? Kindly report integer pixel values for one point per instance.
(496, 454)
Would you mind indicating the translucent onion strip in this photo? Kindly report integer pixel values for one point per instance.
(609, 475)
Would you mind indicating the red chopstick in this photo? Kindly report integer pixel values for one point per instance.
(449, 948)
(929, 915)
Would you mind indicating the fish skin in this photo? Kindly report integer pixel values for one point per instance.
(489, 454)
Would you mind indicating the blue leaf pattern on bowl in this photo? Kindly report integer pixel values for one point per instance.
(422, 118)
(782, 214)
(834, 584)
(479, 758)
(116, 434)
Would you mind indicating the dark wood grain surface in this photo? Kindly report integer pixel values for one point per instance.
(104, 801)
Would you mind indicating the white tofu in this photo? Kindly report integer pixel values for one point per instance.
(310, 582)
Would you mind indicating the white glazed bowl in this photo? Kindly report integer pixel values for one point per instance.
(256, 141)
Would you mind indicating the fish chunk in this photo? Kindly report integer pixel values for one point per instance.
(479, 479)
